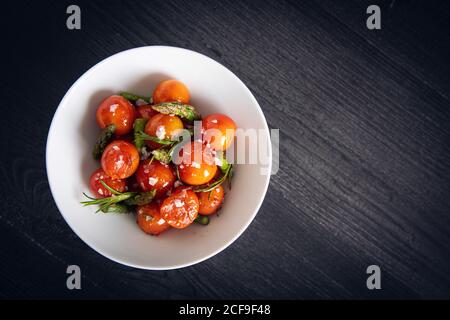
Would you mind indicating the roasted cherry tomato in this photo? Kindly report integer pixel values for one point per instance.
(99, 190)
(210, 201)
(118, 111)
(145, 111)
(171, 90)
(219, 131)
(163, 126)
(149, 219)
(197, 164)
(120, 159)
(180, 208)
(155, 175)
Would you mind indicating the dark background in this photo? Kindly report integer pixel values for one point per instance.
(364, 155)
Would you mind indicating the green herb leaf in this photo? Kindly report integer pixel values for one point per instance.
(182, 110)
(138, 126)
(134, 97)
(102, 141)
(145, 137)
(117, 208)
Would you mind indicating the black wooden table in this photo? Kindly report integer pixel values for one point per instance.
(364, 174)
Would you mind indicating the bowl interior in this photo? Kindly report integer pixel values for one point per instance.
(214, 89)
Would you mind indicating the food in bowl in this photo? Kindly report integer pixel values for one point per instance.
(155, 163)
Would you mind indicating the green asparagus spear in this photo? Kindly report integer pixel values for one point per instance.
(102, 140)
(179, 109)
(134, 97)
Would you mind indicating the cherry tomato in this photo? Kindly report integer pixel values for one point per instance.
(197, 164)
(180, 208)
(171, 90)
(163, 126)
(219, 131)
(145, 111)
(99, 190)
(149, 219)
(155, 175)
(120, 159)
(118, 111)
(210, 201)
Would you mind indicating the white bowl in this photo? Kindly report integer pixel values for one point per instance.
(214, 89)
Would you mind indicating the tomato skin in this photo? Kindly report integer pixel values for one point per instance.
(210, 201)
(149, 219)
(171, 90)
(155, 175)
(120, 159)
(99, 190)
(180, 208)
(193, 173)
(118, 111)
(223, 135)
(145, 111)
(163, 126)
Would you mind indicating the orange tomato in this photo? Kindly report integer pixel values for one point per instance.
(180, 208)
(219, 131)
(118, 111)
(145, 111)
(210, 201)
(149, 219)
(99, 190)
(197, 164)
(120, 159)
(171, 90)
(163, 126)
(155, 175)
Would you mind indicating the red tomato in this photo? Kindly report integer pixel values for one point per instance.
(118, 111)
(197, 165)
(120, 159)
(145, 111)
(210, 201)
(99, 190)
(149, 219)
(155, 175)
(180, 208)
(171, 90)
(163, 126)
(219, 131)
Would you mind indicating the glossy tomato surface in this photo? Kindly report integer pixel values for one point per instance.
(180, 208)
(210, 201)
(145, 111)
(171, 90)
(153, 175)
(163, 126)
(219, 131)
(99, 190)
(120, 159)
(118, 111)
(149, 219)
(197, 164)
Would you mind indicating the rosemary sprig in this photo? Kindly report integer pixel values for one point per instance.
(119, 201)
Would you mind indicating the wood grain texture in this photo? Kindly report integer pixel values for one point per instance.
(364, 172)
